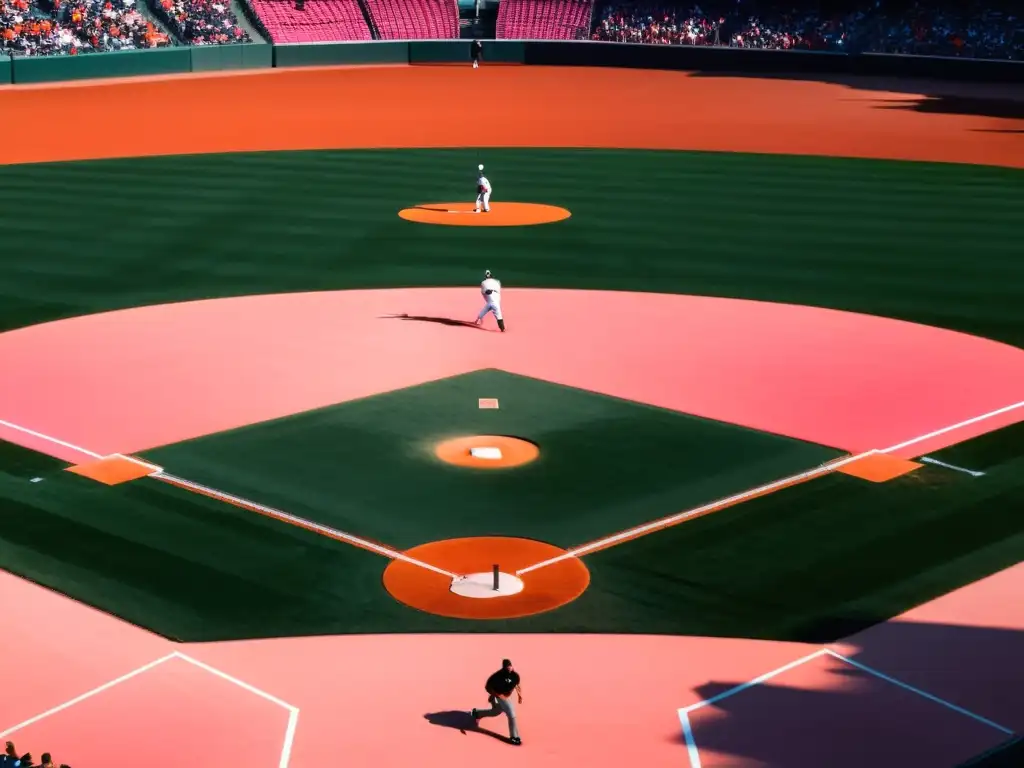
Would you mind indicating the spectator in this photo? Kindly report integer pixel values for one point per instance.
(667, 25)
(203, 22)
(108, 25)
(75, 26)
(10, 757)
(991, 29)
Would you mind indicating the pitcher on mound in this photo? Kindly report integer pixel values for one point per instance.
(483, 191)
(490, 289)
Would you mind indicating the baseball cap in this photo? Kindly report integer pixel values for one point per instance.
(506, 663)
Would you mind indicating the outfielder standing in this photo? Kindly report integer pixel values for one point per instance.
(499, 688)
(476, 51)
(491, 291)
(483, 191)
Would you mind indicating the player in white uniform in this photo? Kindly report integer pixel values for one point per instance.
(483, 191)
(490, 289)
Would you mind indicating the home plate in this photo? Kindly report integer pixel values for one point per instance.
(481, 585)
(494, 454)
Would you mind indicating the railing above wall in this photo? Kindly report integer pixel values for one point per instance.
(587, 53)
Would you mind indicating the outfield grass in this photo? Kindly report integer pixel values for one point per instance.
(929, 243)
(932, 243)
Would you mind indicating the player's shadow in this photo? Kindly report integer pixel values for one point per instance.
(438, 320)
(460, 721)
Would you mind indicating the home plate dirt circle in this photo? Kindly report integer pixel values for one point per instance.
(500, 215)
(518, 595)
(487, 451)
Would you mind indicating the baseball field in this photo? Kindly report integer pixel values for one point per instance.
(760, 409)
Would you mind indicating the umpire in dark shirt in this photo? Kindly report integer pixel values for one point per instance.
(499, 689)
(476, 51)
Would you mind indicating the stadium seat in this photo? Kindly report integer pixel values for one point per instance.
(544, 19)
(319, 21)
(415, 19)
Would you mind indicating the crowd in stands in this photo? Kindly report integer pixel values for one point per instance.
(75, 26)
(11, 759)
(203, 22)
(992, 29)
(106, 25)
(974, 28)
(24, 30)
(741, 24)
(987, 30)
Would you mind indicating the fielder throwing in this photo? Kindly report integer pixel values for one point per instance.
(490, 289)
(483, 191)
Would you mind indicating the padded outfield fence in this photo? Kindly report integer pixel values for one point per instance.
(185, 59)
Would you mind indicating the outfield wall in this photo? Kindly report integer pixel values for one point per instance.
(179, 60)
(159, 61)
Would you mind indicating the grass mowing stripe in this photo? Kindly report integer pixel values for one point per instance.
(922, 242)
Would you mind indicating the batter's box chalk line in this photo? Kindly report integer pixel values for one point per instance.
(684, 712)
(293, 711)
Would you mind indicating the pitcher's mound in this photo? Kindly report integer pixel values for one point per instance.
(500, 215)
(487, 451)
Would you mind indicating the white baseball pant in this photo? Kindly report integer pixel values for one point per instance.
(490, 306)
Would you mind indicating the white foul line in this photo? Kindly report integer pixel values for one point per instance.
(153, 468)
(691, 744)
(952, 427)
(760, 490)
(158, 473)
(568, 554)
(49, 439)
(684, 712)
(666, 522)
(936, 462)
(293, 711)
(756, 681)
(77, 448)
(918, 691)
(300, 522)
(86, 695)
(240, 683)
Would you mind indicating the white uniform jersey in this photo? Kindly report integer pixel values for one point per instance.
(483, 185)
(494, 286)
